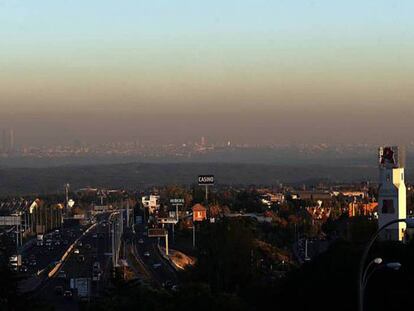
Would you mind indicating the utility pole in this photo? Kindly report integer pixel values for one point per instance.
(194, 236)
(127, 218)
(166, 244)
(176, 203)
(306, 249)
(173, 234)
(67, 186)
(113, 245)
(206, 195)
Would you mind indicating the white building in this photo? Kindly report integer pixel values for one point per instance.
(391, 192)
(152, 202)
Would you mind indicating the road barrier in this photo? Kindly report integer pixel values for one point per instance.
(60, 263)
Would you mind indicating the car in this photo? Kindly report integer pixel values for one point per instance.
(58, 290)
(23, 269)
(32, 263)
(68, 294)
(140, 241)
(76, 251)
(156, 265)
(95, 236)
(146, 254)
(57, 243)
(81, 258)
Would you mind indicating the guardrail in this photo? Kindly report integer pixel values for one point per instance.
(168, 259)
(60, 263)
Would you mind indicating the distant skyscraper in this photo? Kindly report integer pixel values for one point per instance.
(11, 140)
(3, 141)
(203, 141)
(8, 140)
(391, 192)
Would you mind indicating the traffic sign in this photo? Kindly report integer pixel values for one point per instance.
(156, 233)
(176, 201)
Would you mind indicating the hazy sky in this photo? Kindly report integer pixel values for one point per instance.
(254, 70)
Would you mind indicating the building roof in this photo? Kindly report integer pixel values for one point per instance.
(199, 208)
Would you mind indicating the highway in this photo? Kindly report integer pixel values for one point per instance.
(36, 258)
(93, 247)
(146, 248)
(88, 248)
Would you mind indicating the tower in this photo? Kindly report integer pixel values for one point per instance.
(8, 141)
(391, 192)
(11, 140)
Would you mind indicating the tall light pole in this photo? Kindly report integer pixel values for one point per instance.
(377, 262)
(410, 224)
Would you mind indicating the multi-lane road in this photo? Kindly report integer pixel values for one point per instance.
(88, 257)
(158, 267)
(91, 249)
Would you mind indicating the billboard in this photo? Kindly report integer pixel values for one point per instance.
(205, 180)
(176, 201)
(156, 233)
(10, 220)
(391, 157)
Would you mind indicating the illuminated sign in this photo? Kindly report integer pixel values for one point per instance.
(206, 180)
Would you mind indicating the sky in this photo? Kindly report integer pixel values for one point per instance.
(253, 70)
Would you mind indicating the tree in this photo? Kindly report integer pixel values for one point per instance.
(225, 250)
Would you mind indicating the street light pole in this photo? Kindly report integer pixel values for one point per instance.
(410, 224)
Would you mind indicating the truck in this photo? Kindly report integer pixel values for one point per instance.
(39, 240)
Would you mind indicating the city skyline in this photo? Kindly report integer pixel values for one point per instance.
(263, 71)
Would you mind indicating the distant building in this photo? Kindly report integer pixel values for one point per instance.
(270, 198)
(391, 192)
(352, 194)
(314, 195)
(7, 140)
(199, 212)
(151, 202)
(359, 209)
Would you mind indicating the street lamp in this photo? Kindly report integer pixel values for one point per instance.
(362, 275)
(377, 261)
